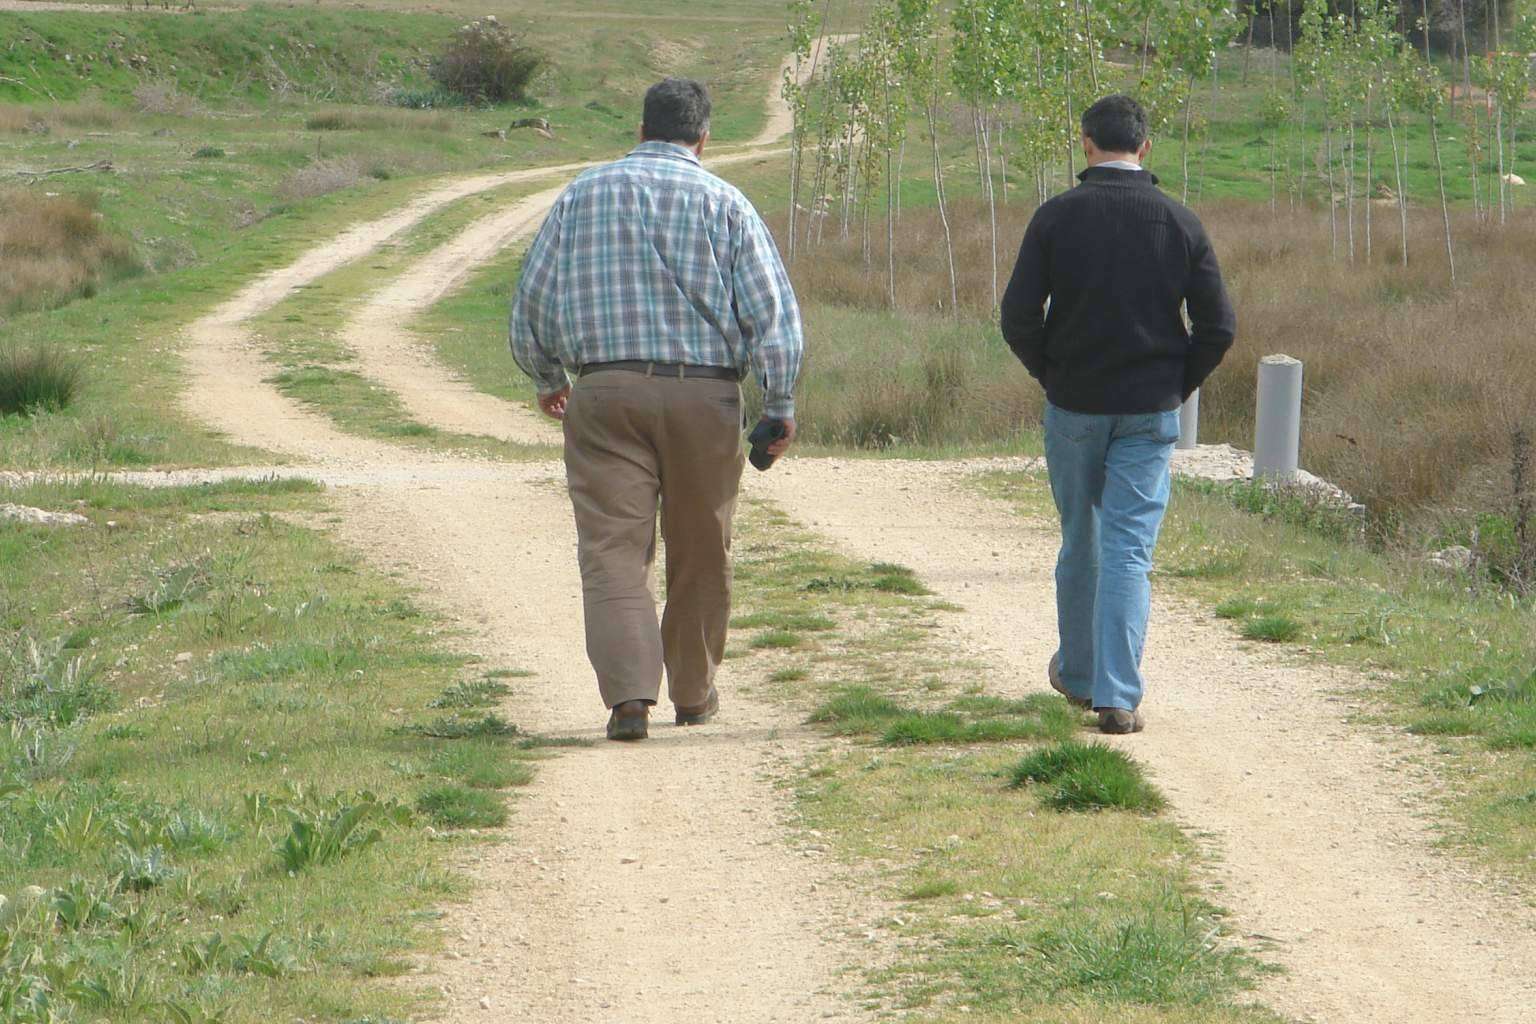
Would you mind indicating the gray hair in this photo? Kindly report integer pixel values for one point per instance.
(676, 110)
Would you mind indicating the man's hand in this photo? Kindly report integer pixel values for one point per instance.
(554, 405)
(778, 447)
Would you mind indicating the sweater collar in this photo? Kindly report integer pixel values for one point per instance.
(1117, 176)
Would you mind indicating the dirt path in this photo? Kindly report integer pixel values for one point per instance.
(630, 872)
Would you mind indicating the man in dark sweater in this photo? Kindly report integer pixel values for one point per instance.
(1095, 312)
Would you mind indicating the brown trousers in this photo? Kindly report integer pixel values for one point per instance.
(632, 441)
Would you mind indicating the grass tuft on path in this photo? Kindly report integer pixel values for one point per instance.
(1087, 777)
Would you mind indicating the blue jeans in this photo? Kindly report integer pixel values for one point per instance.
(1109, 476)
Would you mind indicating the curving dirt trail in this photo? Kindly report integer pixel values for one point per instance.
(628, 870)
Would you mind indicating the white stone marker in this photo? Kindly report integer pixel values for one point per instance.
(1189, 423)
(1277, 430)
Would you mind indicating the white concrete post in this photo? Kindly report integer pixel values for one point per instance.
(1277, 430)
(1189, 423)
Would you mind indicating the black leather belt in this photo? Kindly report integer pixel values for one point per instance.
(681, 371)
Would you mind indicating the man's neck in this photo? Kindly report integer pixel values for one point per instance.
(1118, 162)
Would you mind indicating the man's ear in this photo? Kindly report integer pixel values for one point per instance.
(640, 132)
(698, 147)
(1144, 152)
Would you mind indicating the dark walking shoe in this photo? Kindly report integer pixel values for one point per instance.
(1053, 673)
(1119, 722)
(629, 721)
(702, 713)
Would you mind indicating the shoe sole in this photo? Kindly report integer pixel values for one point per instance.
(628, 729)
(1137, 725)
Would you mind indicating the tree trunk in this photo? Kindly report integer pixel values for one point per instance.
(1189, 110)
(1349, 190)
(1333, 207)
(938, 189)
(1445, 207)
(1248, 50)
(1370, 180)
(1397, 174)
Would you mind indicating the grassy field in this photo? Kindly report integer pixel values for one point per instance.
(223, 820)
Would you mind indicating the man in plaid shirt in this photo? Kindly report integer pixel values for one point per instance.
(658, 288)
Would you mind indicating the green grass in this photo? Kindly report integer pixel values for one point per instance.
(1087, 777)
(40, 378)
(1273, 629)
(1450, 659)
(217, 794)
(454, 806)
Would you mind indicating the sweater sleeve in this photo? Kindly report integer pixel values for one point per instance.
(1213, 323)
(1023, 307)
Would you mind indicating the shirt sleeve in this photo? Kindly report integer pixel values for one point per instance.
(1213, 323)
(534, 328)
(1023, 305)
(767, 314)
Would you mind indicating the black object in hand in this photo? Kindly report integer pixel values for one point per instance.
(764, 434)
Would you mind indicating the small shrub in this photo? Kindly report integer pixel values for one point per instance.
(487, 62)
(50, 684)
(208, 153)
(789, 675)
(162, 97)
(321, 178)
(424, 99)
(315, 839)
(458, 807)
(1087, 776)
(39, 378)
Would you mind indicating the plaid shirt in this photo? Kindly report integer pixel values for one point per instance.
(653, 258)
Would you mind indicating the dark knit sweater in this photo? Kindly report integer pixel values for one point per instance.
(1117, 259)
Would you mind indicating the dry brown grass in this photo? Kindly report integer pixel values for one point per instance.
(375, 119)
(53, 249)
(88, 114)
(321, 178)
(1413, 393)
(164, 97)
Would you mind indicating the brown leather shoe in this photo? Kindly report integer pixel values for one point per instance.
(1119, 722)
(702, 713)
(1053, 673)
(629, 720)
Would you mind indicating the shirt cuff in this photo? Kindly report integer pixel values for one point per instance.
(554, 383)
(777, 407)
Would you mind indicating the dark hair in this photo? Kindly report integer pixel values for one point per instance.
(676, 110)
(1116, 124)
